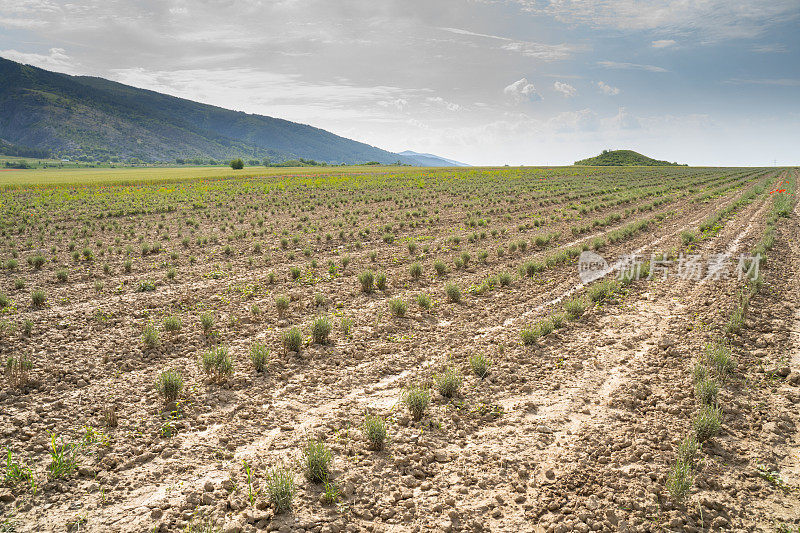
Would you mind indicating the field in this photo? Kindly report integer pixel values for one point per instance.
(399, 350)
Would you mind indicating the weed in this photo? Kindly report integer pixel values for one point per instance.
(679, 481)
(293, 340)
(367, 281)
(707, 391)
(397, 307)
(207, 322)
(706, 422)
(415, 270)
(38, 298)
(346, 325)
(217, 363)
(169, 385)
(440, 268)
(602, 290)
(281, 304)
(453, 292)
(424, 301)
(504, 278)
(259, 356)
(172, 323)
(380, 281)
(317, 459)
(374, 428)
(416, 399)
(480, 365)
(150, 337)
(146, 286)
(687, 450)
(448, 382)
(17, 371)
(63, 458)
(320, 330)
(331, 493)
(280, 488)
(17, 473)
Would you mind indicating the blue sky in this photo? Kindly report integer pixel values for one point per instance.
(708, 82)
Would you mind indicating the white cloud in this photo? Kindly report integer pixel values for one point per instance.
(630, 66)
(57, 59)
(781, 82)
(522, 90)
(770, 49)
(545, 52)
(607, 89)
(663, 43)
(438, 100)
(565, 88)
(709, 19)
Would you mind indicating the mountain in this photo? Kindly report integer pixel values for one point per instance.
(83, 117)
(430, 160)
(623, 158)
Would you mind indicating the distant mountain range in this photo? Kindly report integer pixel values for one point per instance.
(623, 158)
(47, 113)
(430, 160)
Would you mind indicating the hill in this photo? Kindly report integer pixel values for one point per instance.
(81, 117)
(430, 160)
(623, 158)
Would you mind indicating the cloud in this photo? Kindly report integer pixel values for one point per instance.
(663, 43)
(770, 49)
(438, 100)
(710, 20)
(607, 89)
(57, 59)
(781, 82)
(398, 103)
(521, 91)
(545, 52)
(565, 88)
(630, 66)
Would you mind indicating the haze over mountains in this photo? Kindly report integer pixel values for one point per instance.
(97, 119)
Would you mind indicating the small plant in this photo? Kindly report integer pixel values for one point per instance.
(440, 268)
(171, 273)
(62, 275)
(207, 323)
(504, 278)
(718, 356)
(346, 325)
(169, 385)
(687, 450)
(16, 474)
(146, 286)
(330, 493)
(374, 428)
(281, 304)
(217, 363)
(367, 281)
(127, 266)
(293, 340)
(320, 330)
(259, 356)
(699, 372)
(319, 299)
(453, 292)
(448, 382)
(480, 365)
(172, 323)
(707, 391)
(415, 270)
(279, 487)
(317, 459)
(19, 284)
(679, 481)
(416, 399)
(397, 307)
(63, 458)
(17, 371)
(602, 290)
(294, 272)
(150, 337)
(706, 422)
(424, 301)
(688, 237)
(38, 298)
(380, 281)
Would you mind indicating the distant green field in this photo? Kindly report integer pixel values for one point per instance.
(102, 176)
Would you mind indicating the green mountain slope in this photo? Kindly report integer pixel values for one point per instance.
(79, 116)
(623, 158)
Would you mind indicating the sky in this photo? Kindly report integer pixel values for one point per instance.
(486, 82)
